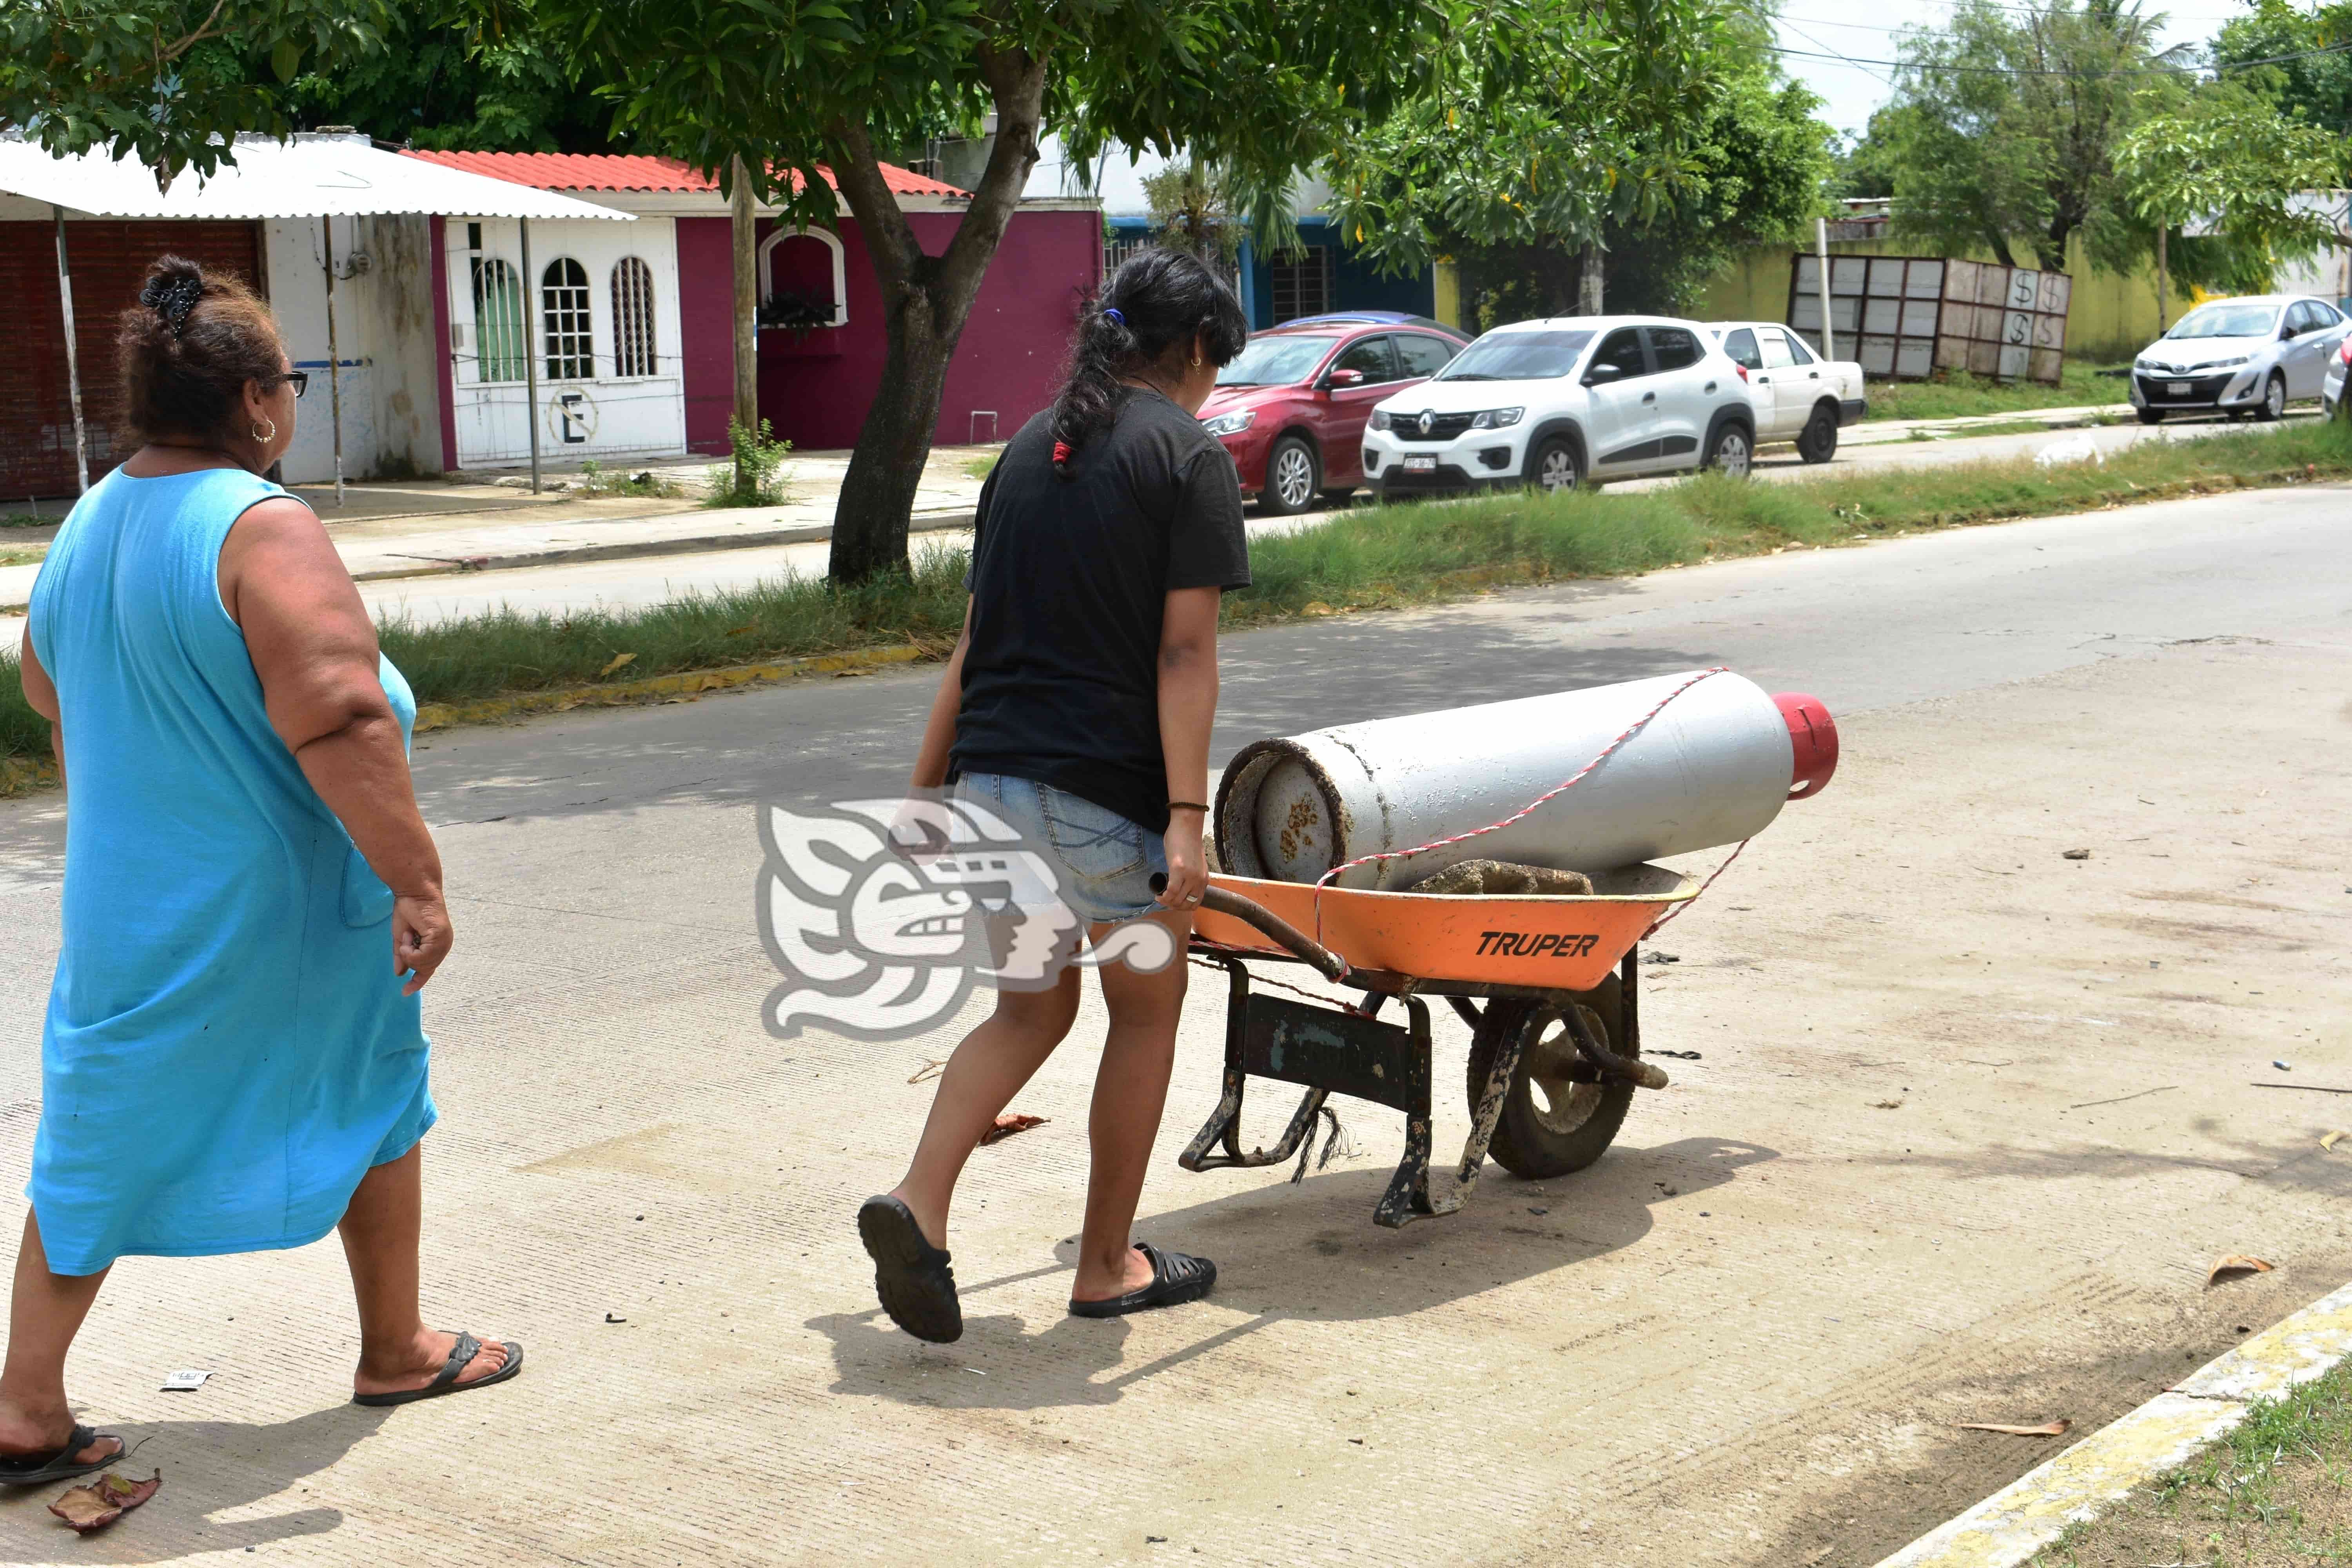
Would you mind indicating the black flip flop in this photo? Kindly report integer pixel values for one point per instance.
(1176, 1277)
(912, 1277)
(59, 1464)
(446, 1381)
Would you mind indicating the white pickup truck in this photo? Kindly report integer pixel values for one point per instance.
(1797, 394)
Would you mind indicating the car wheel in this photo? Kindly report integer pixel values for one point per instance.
(2273, 399)
(1553, 466)
(1730, 451)
(2151, 416)
(1817, 442)
(1292, 477)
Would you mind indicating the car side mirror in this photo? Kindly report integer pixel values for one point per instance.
(1600, 372)
(2286, 332)
(1344, 378)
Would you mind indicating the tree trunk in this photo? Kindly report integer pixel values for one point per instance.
(2162, 288)
(747, 305)
(1589, 294)
(925, 301)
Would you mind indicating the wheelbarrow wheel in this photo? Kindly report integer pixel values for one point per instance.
(1556, 1117)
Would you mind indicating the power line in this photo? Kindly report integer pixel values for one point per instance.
(1874, 76)
(1790, 23)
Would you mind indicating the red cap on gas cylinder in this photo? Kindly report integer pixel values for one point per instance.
(1812, 736)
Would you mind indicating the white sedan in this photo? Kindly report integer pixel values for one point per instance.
(2251, 355)
(1797, 394)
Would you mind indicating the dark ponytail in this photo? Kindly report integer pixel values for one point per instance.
(1156, 298)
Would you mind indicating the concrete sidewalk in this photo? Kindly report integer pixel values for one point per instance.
(420, 528)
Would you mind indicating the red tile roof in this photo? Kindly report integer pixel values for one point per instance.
(635, 171)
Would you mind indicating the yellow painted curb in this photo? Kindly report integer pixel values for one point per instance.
(687, 684)
(2009, 1527)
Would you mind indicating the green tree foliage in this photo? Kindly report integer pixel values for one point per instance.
(441, 81)
(2316, 89)
(2003, 133)
(2232, 163)
(1543, 125)
(794, 86)
(163, 81)
(1584, 132)
(1191, 207)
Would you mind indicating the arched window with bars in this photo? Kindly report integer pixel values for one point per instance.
(499, 342)
(633, 317)
(563, 307)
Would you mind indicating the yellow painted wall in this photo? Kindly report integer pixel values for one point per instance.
(2112, 316)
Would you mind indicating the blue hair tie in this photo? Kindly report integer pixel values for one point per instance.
(1114, 316)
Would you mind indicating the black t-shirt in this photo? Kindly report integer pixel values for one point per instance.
(1069, 581)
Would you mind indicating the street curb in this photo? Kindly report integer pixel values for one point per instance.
(806, 533)
(683, 686)
(2009, 1527)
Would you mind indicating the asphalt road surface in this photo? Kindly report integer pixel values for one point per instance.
(1969, 1122)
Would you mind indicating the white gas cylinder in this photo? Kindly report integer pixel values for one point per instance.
(1713, 767)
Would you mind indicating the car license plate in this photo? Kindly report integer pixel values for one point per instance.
(1421, 465)
(2176, 388)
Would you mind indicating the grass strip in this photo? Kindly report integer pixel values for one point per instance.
(1366, 558)
(1949, 396)
(2275, 1492)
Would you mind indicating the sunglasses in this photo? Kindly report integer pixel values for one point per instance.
(299, 380)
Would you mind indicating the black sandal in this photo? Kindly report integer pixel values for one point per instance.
(912, 1277)
(1176, 1277)
(59, 1464)
(461, 1355)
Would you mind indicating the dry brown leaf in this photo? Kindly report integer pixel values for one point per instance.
(618, 660)
(1885, 1105)
(930, 1069)
(1009, 1124)
(1317, 607)
(2334, 1138)
(104, 1500)
(2047, 1429)
(2235, 1263)
(739, 631)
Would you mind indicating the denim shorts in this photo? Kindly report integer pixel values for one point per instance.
(1103, 862)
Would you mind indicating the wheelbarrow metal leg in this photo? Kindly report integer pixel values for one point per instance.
(1408, 1197)
(1224, 1122)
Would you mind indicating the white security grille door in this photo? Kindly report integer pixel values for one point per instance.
(563, 305)
(633, 317)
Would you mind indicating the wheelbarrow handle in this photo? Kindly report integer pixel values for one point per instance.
(1284, 935)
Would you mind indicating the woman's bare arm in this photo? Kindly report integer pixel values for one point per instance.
(1188, 709)
(315, 651)
(939, 730)
(42, 693)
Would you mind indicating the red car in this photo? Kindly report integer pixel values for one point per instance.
(1291, 409)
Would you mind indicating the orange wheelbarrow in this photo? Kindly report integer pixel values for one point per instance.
(1548, 986)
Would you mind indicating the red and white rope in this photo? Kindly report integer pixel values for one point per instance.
(1566, 784)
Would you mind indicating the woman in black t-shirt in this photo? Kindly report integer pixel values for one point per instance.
(1076, 710)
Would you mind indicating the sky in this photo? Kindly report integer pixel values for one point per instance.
(1866, 29)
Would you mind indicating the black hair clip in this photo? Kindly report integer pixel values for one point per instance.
(173, 300)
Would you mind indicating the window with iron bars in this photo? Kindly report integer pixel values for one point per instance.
(1115, 251)
(563, 305)
(1302, 283)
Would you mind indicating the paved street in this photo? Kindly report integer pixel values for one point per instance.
(1969, 1122)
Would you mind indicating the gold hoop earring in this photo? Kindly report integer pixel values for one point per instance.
(1196, 362)
(266, 436)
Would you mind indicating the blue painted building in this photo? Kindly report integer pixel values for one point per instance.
(1326, 274)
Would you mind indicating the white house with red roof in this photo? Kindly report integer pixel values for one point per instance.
(636, 340)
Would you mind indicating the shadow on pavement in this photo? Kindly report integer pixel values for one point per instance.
(1309, 1253)
(209, 1467)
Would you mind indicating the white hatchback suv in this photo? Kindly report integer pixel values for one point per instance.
(1556, 403)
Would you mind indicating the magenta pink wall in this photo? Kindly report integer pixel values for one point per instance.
(815, 388)
(705, 309)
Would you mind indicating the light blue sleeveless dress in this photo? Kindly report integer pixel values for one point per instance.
(226, 1050)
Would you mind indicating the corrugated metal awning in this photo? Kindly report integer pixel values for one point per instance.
(311, 176)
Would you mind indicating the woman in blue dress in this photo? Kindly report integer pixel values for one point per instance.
(233, 1058)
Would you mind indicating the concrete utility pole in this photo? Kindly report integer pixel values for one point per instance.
(1589, 293)
(2163, 284)
(1821, 265)
(529, 353)
(747, 308)
(73, 355)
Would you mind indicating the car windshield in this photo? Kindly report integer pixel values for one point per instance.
(1517, 357)
(1275, 361)
(2226, 319)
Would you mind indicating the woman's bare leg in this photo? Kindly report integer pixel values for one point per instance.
(44, 1315)
(1131, 1089)
(382, 1231)
(982, 1077)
